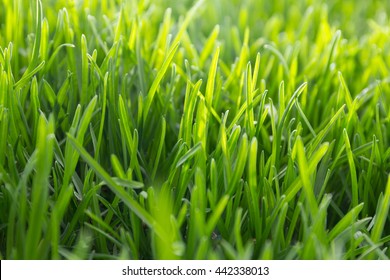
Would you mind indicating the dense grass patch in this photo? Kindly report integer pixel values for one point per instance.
(194, 129)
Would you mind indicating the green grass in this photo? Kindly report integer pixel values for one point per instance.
(194, 129)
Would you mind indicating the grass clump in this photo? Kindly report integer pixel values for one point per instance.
(194, 130)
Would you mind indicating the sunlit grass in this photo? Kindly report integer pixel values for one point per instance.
(194, 129)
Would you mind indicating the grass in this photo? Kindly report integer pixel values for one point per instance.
(194, 129)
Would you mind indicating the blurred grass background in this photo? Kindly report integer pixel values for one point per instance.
(264, 134)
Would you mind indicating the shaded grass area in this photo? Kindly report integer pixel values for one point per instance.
(194, 130)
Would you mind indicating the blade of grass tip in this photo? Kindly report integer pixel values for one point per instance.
(44, 40)
(335, 40)
(216, 215)
(55, 53)
(32, 67)
(314, 160)
(249, 100)
(372, 250)
(78, 215)
(279, 55)
(242, 110)
(263, 113)
(189, 154)
(351, 104)
(367, 184)
(63, 91)
(345, 222)
(86, 120)
(38, 34)
(224, 146)
(321, 135)
(49, 94)
(189, 112)
(205, 105)
(239, 164)
(102, 119)
(352, 168)
(291, 102)
(126, 198)
(157, 80)
(211, 80)
(94, 66)
(79, 127)
(305, 119)
(381, 214)
(84, 71)
(305, 177)
(119, 27)
(160, 43)
(27, 76)
(127, 183)
(125, 126)
(256, 72)
(213, 112)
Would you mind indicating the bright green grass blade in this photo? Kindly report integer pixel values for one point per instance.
(345, 222)
(38, 34)
(84, 71)
(157, 80)
(191, 153)
(40, 190)
(278, 54)
(103, 117)
(321, 135)
(211, 80)
(305, 177)
(189, 108)
(28, 75)
(239, 165)
(276, 159)
(79, 128)
(381, 214)
(125, 197)
(312, 164)
(156, 59)
(216, 215)
(352, 168)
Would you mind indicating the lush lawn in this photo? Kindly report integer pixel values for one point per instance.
(208, 130)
